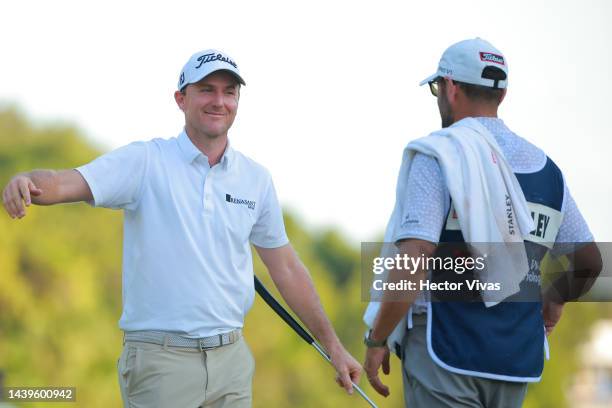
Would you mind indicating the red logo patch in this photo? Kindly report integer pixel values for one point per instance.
(490, 57)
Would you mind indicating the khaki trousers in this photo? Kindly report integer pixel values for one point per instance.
(155, 376)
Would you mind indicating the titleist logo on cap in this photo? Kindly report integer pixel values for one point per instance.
(490, 57)
(214, 57)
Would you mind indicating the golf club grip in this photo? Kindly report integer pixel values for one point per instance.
(280, 310)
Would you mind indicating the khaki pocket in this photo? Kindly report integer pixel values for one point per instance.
(126, 366)
(249, 355)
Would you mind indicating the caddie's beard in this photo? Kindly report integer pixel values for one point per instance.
(445, 111)
(447, 120)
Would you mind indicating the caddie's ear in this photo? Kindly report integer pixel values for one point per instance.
(179, 97)
(451, 89)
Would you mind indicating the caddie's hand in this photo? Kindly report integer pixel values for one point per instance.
(348, 370)
(376, 357)
(18, 194)
(551, 312)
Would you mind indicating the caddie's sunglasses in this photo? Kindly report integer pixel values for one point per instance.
(433, 85)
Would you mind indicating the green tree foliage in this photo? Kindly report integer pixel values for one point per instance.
(337, 256)
(60, 298)
(60, 292)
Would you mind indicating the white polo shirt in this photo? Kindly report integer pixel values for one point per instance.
(187, 263)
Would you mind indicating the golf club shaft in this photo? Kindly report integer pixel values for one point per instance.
(287, 318)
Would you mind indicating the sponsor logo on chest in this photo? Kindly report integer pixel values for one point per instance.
(240, 201)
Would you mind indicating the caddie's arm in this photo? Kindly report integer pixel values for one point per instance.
(44, 187)
(295, 285)
(585, 266)
(392, 311)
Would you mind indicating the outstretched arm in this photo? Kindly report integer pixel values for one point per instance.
(295, 285)
(44, 187)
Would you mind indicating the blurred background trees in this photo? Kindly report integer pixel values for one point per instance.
(60, 298)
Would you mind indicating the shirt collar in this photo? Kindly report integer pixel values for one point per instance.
(190, 152)
(188, 149)
(228, 156)
(485, 120)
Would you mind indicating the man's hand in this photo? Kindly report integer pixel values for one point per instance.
(295, 285)
(348, 370)
(375, 357)
(19, 191)
(44, 187)
(391, 311)
(552, 314)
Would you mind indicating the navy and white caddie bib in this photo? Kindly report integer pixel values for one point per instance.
(506, 341)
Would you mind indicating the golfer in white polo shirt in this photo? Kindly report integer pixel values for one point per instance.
(192, 207)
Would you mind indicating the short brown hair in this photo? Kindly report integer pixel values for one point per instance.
(480, 93)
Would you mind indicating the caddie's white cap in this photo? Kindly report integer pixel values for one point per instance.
(204, 63)
(472, 62)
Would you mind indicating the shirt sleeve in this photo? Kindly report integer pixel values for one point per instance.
(573, 229)
(269, 229)
(116, 178)
(422, 208)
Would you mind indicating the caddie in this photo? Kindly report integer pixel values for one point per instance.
(476, 182)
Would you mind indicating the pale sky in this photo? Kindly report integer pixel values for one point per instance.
(332, 93)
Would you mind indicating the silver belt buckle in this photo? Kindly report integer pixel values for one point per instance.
(202, 347)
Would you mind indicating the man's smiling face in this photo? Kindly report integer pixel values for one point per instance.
(210, 105)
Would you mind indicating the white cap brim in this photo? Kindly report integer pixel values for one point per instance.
(429, 79)
(212, 69)
(231, 71)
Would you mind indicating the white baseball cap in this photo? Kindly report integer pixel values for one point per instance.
(204, 63)
(473, 62)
